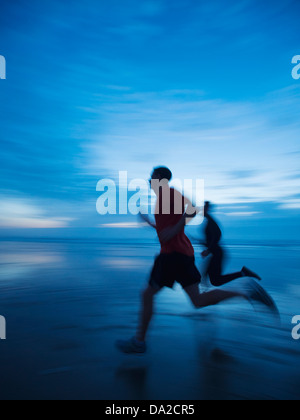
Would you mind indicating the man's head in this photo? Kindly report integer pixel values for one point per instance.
(162, 173)
(160, 176)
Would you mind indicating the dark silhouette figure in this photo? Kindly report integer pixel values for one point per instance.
(215, 269)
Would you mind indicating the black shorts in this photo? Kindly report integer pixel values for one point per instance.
(171, 268)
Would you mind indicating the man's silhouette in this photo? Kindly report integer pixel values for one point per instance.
(215, 268)
(176, 261)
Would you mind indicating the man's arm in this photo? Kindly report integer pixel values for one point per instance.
(215, 237)
(191, 211)
(146, 219)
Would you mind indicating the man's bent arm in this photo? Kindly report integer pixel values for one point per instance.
(147, 220)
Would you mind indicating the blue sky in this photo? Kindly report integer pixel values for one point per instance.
(94, 88)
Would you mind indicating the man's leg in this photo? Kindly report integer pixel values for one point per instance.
(146, 312)
(210, 298)
(253, 292)
(137, 344)
(219, 281)
(215, 271)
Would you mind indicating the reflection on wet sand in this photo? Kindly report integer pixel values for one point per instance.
(66, 304)
(131, 381)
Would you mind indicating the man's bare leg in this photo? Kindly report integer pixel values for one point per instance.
(199, 300)
(210, 298)
(137, 344)
(146, 312)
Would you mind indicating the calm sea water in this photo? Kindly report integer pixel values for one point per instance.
(66, 302)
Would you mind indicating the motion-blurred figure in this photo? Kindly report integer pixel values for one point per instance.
(213, 236)
(176, 261)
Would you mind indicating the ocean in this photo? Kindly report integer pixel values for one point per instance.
(66, 302)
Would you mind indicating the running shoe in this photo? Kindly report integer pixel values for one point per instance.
(249, 273)
(258, 294)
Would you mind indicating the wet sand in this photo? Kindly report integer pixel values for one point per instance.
(66, 303)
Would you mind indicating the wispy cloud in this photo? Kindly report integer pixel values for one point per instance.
(214, 138)
(128, 85)
(290, 205)
(242, 174)
(242, 213)
(22, 213)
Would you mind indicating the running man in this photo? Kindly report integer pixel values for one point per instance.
(215, 268)
(176, 261)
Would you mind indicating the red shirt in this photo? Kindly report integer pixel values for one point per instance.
(173, 203)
